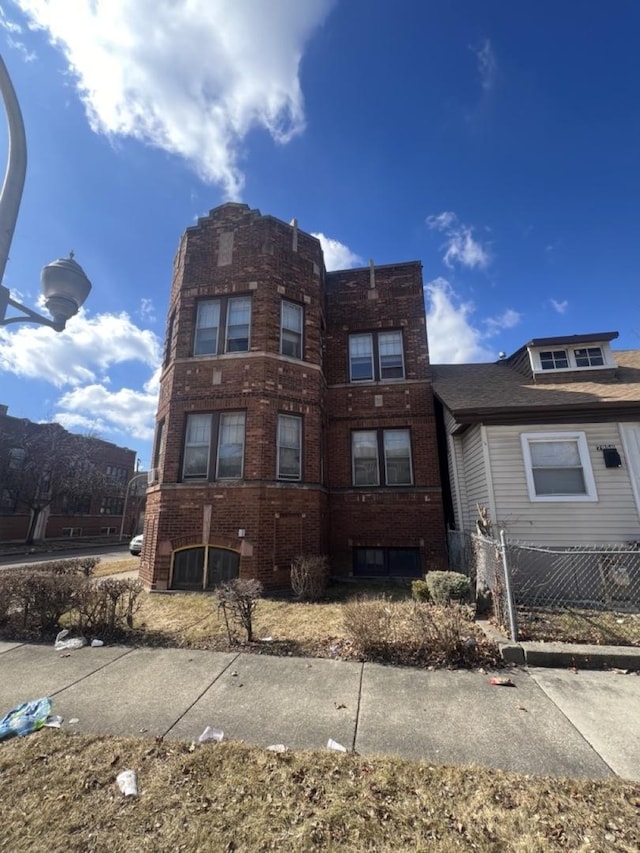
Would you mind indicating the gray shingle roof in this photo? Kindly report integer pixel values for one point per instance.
(477, 389)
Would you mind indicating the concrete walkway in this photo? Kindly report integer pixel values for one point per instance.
(553, 722)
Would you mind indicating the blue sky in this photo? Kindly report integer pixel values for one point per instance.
(496, 142)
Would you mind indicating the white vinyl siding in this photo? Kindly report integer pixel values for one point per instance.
(611, 518)
(476, 487)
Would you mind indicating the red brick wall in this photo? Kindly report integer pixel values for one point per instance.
(269, 260)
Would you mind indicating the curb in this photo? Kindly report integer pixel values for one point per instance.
(562, 655)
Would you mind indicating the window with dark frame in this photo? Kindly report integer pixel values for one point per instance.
(376, 356)
(222, 325)
(289, 464)
(392, 446)
(291, 324)
(214, 446)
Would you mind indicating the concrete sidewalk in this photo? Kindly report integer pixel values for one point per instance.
(552, 722)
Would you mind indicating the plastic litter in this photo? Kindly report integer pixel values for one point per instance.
(54, 722)
(500, 681)
(95, 644)
(211, 735)
(127, 783)
(73, 720)
(337, 747)
(277, 747)
(25, 718)
(62, 645)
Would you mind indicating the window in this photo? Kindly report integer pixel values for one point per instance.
(391, 445)
(376, 355)
(231, 314)
(203, 568)
(291, 318)
(214, 442)
(553, 359)
(289, 447)
(158, 452)
(387, 562)
(8, 500)
(589, 357)
(557, 467)
(112, 506)
(76, 504)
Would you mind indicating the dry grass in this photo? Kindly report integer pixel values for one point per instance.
(580, 626)
(115, 567)
(286, 627)
(59, 795)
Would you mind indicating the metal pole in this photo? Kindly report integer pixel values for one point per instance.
(513, 623)
(16, 167)
(126, 498)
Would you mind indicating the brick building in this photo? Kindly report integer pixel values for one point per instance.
(34, 469)
(295, 413)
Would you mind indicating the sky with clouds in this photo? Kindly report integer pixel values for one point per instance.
(497, 143)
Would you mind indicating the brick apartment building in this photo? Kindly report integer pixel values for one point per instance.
(295, 413)
(94, 510)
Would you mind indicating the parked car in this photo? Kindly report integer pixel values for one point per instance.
(135, 546)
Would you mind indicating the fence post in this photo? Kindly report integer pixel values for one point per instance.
(513, 622)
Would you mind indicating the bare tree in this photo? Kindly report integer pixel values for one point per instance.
(43, 465)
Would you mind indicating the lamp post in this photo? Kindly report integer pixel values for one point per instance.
(126, 499)
(64, 283)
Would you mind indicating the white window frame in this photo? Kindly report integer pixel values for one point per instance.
(580, 440)
(298, 333)
(214, 422)
(289, 478)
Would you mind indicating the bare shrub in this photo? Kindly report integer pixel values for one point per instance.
(108, 606)
(39, 599)
(411, 631)
(72, 566)
(238, 600)
(309, 573)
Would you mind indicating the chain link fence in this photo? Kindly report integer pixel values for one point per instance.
(517, 578)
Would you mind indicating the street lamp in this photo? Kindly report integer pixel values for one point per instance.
(64, 284)
(126, 499)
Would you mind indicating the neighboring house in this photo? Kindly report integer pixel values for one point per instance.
(36, 472)
(295, 414)
(548, 440)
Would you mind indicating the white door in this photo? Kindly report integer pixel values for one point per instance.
(631, 444)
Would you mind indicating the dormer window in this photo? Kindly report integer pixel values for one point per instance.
(564, 355)
(553, 359)
(589, 357)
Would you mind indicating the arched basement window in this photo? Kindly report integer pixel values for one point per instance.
(203, 568)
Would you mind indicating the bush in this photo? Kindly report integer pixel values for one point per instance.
(309, 574)
(411, 632)
(72, 566)
(238, 600)
(448, 586)
(108, 606)
(420, 590)
(39, 599)
(36, 599)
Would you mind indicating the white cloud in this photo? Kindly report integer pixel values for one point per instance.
(147, 310)
(507, 320)
(560, 307)
(487, 65)
(337, 256)
(80, 354)
(127, 411)
(191, 77)
(453, 339)
(460, 247)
